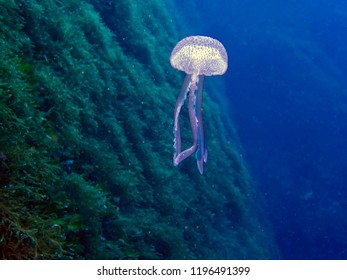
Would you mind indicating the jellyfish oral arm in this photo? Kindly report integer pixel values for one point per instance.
(177, 130)
(201, 153)
(190, 85)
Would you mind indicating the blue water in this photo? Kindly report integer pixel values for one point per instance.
(287, 96)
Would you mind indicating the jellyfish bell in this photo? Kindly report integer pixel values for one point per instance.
(197, 56)
(200, 55)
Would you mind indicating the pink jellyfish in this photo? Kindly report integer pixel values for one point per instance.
(197, 56)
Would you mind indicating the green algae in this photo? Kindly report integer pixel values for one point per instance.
(86, 106)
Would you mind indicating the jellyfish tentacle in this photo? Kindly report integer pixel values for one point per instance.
(179, 103)
(201, 155)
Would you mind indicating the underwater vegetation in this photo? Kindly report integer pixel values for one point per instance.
(86, 91)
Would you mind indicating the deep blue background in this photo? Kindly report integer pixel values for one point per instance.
(287, 95)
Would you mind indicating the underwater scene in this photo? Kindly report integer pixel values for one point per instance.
(167, 130)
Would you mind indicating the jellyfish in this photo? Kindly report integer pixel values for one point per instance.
(197, 56)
